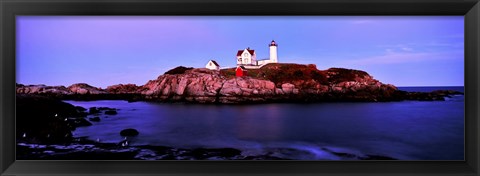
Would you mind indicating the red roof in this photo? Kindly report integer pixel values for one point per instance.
(241, 51)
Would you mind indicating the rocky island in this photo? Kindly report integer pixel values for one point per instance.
(273, 82)
(45, 123)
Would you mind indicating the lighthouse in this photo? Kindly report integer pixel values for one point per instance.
(248, 58)
(273, 52)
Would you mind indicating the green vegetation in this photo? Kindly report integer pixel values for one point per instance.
(342, 74)
(280, 73)
(229, 73)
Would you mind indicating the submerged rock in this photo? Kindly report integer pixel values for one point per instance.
(129, 132)
(111, 112)
(93, 110)
(105, 108)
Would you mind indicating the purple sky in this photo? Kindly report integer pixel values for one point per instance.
(107, 50)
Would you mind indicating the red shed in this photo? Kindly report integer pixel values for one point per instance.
(240, 71)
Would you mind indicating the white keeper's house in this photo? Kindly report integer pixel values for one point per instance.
(248, 58)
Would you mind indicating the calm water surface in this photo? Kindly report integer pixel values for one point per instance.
(411, 130)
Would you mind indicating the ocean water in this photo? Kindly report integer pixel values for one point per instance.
(406, 130)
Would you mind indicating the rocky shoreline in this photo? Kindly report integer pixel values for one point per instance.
(90, 150)
(45, 126)
(45, 123)
(305, 84)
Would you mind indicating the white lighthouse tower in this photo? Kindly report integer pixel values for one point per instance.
(273, 52)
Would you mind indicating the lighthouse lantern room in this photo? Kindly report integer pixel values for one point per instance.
(273, 52)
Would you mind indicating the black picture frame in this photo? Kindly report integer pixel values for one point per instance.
(10, 8)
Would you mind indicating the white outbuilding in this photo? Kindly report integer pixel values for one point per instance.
(212, 65)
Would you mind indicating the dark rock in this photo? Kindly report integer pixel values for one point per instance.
(87, 155)
(438, 95)
(264, 157)
(82, 114)
(41, 119)
(202, 153)
(131, 100)
(111, 112)
(377, 157)
(129, 132)
(95, 119)
(446, 92)
(346, 155)
(93, 110)
(224, 152)
(80, 109)
(105, 108)
(80, 122)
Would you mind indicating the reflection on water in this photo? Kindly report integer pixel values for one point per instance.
(250, 127)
